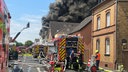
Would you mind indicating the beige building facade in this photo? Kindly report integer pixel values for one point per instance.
(103, 32)
(109, 33)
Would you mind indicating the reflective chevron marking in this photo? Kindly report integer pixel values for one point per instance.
(81, 46)
(62, 51)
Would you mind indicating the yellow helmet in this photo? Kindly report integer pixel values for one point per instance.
(96, 51)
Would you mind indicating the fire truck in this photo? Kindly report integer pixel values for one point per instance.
(37, 48)
(4, 35)
(66, 43)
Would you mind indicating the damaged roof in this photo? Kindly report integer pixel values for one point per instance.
(61, 27)
(82, 24)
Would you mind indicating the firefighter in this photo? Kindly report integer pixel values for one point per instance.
(71, 58)
(80, 55)
(15, 55)
(10, 54)
(75, 62)
(68, 62)
(41, 54)
(97, 57)
(55, 57)
(72, 55)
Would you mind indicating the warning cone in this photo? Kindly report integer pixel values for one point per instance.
(88, 62)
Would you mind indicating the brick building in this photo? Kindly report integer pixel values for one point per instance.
(122, 33)
(84, 30)
(109, 30)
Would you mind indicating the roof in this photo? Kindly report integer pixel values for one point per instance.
(122, 0)
(101, 4)
(82, 24)
(61, 27)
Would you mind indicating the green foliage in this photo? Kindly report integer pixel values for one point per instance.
(28, 43)
(19, 43)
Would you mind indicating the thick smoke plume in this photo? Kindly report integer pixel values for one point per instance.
(70, 10)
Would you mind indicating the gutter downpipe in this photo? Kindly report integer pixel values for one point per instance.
(116, 52)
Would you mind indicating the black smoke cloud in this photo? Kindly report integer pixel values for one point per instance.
(70, 10)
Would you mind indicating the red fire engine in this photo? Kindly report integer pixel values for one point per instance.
(64, 45)
(4, 35)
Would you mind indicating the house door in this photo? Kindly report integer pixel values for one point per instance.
(125, 59)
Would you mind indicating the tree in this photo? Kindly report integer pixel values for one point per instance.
(28, 43)
(19, 43)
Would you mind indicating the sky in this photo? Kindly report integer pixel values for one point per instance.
(24, 11)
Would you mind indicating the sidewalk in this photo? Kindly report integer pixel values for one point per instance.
(105, 70)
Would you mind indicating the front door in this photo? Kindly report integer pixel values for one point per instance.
(125, 59)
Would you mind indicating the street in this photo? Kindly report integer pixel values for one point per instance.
(30, 64)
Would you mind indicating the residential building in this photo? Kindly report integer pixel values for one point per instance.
(84, 30)
(109, 28)
(122, 33)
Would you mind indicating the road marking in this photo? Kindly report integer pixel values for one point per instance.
(38, 69)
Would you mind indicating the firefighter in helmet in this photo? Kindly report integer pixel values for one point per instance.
(97, 57)
(80, 58)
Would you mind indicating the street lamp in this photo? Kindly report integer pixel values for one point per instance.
(28, 25)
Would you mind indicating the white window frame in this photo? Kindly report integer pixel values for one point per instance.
(107, 46)
(108, 20)
(98, 23)
(98, 44)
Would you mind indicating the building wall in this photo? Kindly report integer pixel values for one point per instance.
(122, 33)
(85, 32)
(107, 61)
(102, 13)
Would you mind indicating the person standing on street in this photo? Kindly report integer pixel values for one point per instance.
(72, 55)
(71, 58)
(80, 57)
(97, 59)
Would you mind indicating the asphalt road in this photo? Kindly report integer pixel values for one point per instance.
(29, 64)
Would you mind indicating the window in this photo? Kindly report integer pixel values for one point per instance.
(98, 44)
(98, 23)
(107, 45)
(108, 19)
(5, 16)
